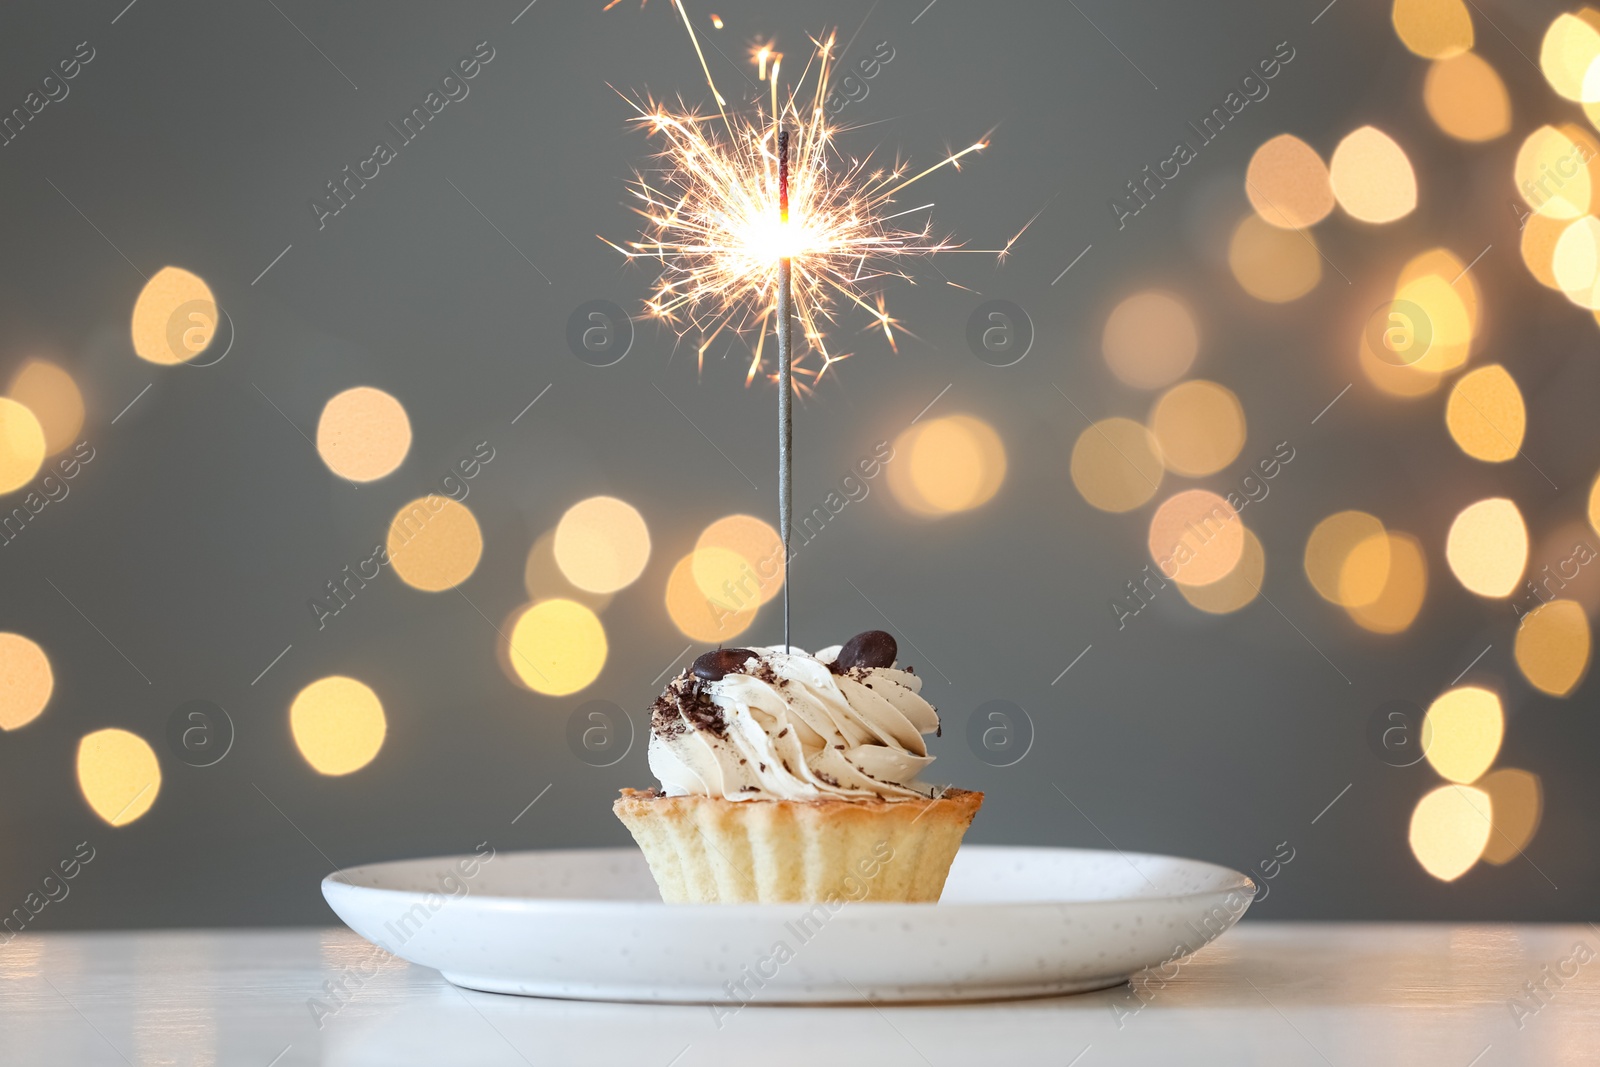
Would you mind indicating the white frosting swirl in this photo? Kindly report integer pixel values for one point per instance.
(788, 728)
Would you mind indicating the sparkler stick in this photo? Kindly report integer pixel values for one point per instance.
(727, 268)
(785, 380)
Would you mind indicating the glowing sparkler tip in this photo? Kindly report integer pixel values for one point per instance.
(714, 224)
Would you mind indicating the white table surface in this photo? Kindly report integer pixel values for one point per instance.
(1266, 993)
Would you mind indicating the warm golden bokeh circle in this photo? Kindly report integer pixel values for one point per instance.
(22, 445)
(338, 724)
(1438, 282)
(946, 465)
(1575, 263)
(753, 541)
(543, 579)
(1551, 174)
(1487, 547)
(1196, 537)
(558, 647)
(1462, 731)
(696, 615)
(174, 318)
(1199, 426)
(725, 578)
(1287, 183)
(1485, 414)
(1594, 504)
(1553, 645)
(26, 681)
(363, 434)
(53, 397)
(1433, 29)
(602, 544)
(1116, 465)
(1540, 236)
(1271, 264)
(434, 543)
(1372, 178)
(1450, 828)
(1409, 343)
(1567, 54)
(1365, 573)
(1238, 587)
(1466, 98)
(1150, 339)
(1518, 801)
(1405, 585)
(1397, 379)
(118, 774)
(1330, 545)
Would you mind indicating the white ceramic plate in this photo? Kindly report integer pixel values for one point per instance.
(589, 924)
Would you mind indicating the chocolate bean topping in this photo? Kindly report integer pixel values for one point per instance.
(870, 648)
(715, 665)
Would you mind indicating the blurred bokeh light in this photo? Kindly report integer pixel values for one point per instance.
(1450, 828)
(1405, 585)
(1237, 588)
(1433, 29)
(1287, 183)
(1150, 339)
(1116, 465)
(1517, 798)
(174, 318)
(1329, 548)
(338, 724)
(1461, 732)
(1487, 547)
(1438, 283)
(22, 445)
(1552, 647)
(698, 616)
(949, 465)
(1467, 99)
(1485, 414)
(1196, 537)
(363, 434)
(53, 397)
(434, 543)
(118, 774)
(602, 544)
(558, 647)
(1551, 175)
(1576, 262)
(758, 547)
(543, 579)
(1199, 426)
(26, 681)
(1372, 178)
(1272, 264)
(1540, 236)
(1567, 54)
(1364, 575)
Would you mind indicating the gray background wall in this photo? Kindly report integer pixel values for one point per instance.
(200, 133)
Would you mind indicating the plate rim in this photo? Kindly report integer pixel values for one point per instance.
(1233, 881)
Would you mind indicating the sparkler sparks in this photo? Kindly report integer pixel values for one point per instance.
(712, 223)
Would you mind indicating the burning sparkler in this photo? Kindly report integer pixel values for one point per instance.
(753, 216)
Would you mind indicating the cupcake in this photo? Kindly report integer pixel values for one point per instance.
(795, 777)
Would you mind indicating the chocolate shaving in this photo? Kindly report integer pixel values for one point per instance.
(686, 700)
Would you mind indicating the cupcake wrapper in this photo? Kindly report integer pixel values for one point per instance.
(708, 850)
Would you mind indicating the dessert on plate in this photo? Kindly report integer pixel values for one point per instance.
(787, 776)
